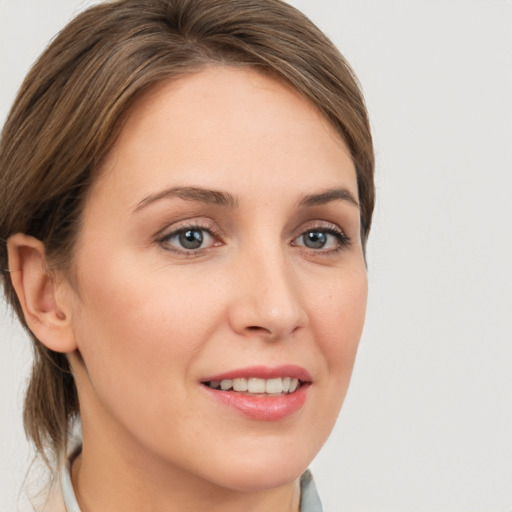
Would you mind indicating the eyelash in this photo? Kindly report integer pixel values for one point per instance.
(205, 228)
(343, 241)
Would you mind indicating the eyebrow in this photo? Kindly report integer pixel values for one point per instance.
(219, 198)
(326, 196)
(199, 194)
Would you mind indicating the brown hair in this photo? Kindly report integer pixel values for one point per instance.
(70, 108)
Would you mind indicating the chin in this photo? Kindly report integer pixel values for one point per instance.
(247, 478)
(264, 468)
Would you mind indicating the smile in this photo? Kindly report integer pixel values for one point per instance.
(261, 393)
(253, 385)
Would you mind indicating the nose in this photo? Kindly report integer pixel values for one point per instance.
(267, 300)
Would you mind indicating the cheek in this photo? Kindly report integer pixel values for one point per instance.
(140, 326)
(139, 334)
(339, 320)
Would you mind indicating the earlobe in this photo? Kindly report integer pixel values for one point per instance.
(46, 313)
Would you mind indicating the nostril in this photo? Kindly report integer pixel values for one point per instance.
(263, 331)
(257, 328)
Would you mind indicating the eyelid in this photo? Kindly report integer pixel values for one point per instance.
(189, 224)
(329, 227)
(169, 229)
(320, 225)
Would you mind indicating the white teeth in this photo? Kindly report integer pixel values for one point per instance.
(226, 384)
(277, 385)
(256, 385)
(293, 385)
(239, 384)
(274, 385)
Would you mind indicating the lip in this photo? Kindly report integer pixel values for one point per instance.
(264, 372)
(262, 407)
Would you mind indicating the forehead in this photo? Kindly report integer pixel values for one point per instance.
(223, 125)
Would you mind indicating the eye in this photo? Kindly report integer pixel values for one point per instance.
(326, 239)
(190, 238)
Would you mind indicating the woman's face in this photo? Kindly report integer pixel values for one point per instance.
(220, 243)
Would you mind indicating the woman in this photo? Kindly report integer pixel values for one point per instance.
(186, 192)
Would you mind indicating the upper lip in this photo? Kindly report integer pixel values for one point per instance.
(263, 372)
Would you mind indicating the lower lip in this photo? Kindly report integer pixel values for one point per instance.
(264, 407)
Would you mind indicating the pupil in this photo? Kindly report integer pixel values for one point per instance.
(315, 239)
(191, 239)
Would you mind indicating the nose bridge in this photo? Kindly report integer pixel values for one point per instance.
(268, 300)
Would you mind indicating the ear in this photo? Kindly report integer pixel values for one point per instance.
(43, 301)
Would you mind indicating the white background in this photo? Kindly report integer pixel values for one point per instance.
(427, 424)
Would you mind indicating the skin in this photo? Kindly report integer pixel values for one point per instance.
(148, 319)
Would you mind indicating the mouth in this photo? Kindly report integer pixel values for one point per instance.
(253, 386)
(261, 393)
